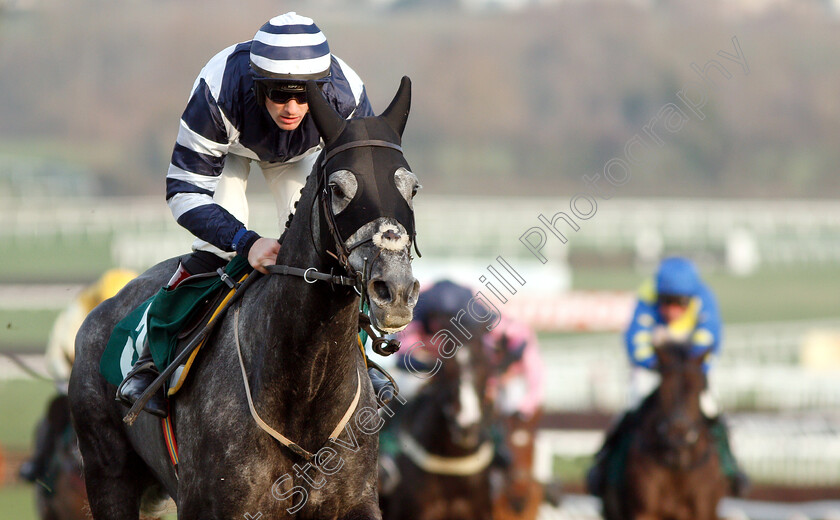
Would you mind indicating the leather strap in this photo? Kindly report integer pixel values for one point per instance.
(310, 275)
(357, 144)
(438, 465)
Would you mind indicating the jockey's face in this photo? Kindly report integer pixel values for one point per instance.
(288, 115)
(672, 308)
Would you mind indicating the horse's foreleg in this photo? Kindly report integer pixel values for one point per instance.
(113, 498)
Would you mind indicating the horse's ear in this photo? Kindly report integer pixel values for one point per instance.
(329, 123)
(396, 115)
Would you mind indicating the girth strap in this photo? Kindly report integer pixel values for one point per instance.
(285, 441)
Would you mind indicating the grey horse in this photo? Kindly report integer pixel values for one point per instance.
(298, 344)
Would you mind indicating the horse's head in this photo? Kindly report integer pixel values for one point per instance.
(366, 189)
(462, 392)
(680, 420)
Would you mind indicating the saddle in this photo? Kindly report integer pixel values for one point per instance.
(168, 321)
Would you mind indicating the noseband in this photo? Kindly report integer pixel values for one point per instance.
(674, 444)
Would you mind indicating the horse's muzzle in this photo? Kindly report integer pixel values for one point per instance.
(393, 300)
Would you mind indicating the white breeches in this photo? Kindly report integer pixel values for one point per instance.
(284, 180)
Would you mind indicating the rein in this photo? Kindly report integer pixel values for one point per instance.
(312, 275)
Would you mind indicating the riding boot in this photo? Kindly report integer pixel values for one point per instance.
(136, 382)
(739, 482)
(383, 388)
(596, 477)
(180, 275)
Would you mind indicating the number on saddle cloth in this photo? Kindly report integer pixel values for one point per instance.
(162, 321)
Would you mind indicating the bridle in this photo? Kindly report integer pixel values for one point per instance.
(461, 466)
(673, 446)
(343, 252)
(353, 278)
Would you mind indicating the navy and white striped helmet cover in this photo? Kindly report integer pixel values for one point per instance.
(290, 47)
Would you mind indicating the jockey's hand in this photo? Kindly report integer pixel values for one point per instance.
(263, 253)
(660, 337)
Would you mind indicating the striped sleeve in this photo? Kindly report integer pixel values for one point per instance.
(363, 108)
(197, 162)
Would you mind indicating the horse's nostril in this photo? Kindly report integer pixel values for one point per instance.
(414, 293)
(381, 291)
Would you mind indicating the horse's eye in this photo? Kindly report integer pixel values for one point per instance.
(415, 189)
(337, 192)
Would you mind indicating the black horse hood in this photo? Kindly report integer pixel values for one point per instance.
(368, 145)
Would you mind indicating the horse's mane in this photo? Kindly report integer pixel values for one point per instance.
(302, 189)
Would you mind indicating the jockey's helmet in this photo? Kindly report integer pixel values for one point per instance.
(290, 48)
(442, 301)
(678, 278)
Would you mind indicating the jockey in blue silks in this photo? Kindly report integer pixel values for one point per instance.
(674, 306)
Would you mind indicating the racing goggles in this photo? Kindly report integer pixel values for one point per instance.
(674, 299)
(282, 93)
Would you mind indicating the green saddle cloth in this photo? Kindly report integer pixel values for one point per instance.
(159, 320)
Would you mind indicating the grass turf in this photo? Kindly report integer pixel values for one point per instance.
(17, 502)
(22, 404)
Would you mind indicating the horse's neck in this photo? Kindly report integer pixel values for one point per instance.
(428, 426)
(309, 329)
(681, 397)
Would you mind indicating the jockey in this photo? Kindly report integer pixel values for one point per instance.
(674, 306)
(59, 357)
(248, 105)
(516, 383)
